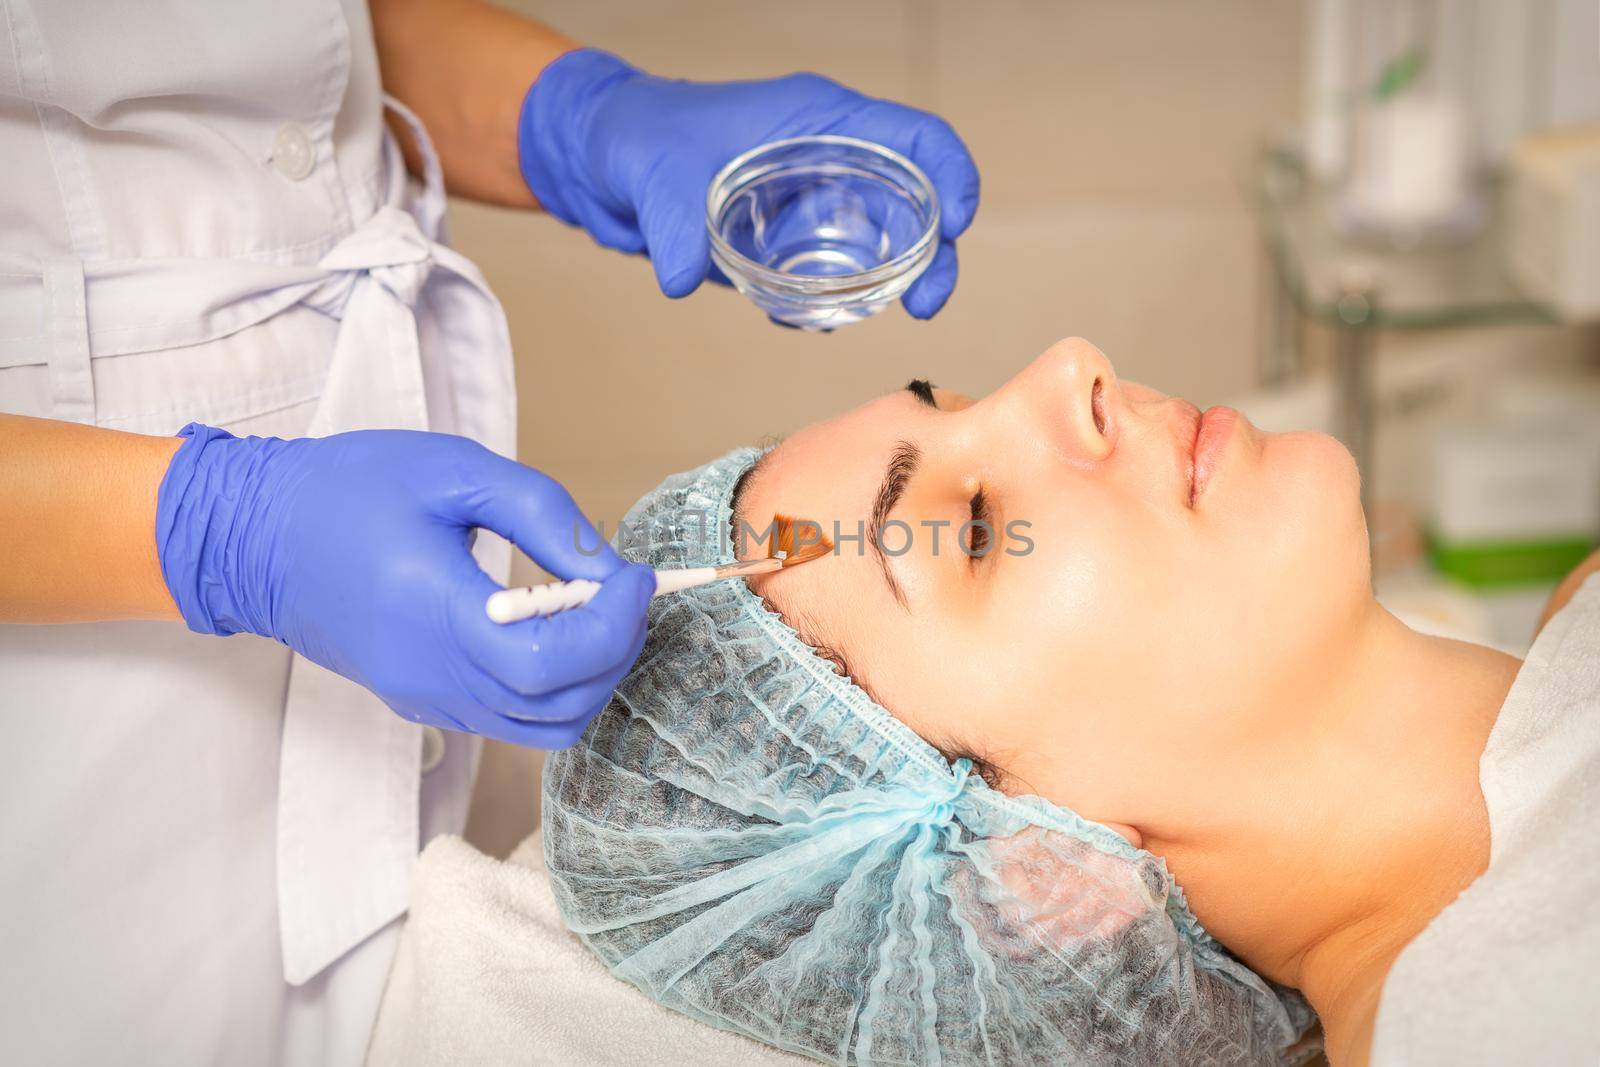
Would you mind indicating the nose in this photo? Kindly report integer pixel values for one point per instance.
(1069, 396)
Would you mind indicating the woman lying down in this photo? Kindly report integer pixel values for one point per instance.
(1127, 766)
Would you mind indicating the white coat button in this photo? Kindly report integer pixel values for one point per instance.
(432, 748)
(292, 151)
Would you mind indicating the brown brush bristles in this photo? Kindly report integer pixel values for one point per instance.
(798, 540)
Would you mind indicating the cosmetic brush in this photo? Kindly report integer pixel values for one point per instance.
(526, 602)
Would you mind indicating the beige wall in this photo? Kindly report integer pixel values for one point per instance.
(1113, 138)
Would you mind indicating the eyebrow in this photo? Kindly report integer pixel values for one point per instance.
(922, 389)
(901, 467)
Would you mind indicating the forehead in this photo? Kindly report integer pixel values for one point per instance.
(829, 470)
(828, 473)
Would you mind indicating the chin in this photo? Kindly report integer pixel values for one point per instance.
(1315, 459)
(1335, 468)
(1322, 477)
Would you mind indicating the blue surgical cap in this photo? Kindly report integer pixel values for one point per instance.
(750, 839)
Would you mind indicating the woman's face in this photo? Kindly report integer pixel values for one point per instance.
(1155, 590)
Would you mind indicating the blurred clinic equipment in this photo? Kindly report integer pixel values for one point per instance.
(1555, 219)
(1441, 197)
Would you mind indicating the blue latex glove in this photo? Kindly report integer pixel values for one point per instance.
(353, 551)
(629, 157)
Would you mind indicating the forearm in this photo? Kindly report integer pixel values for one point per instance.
(77, 523)
(464, 67)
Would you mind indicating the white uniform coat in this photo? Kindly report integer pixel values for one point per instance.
(206, 841)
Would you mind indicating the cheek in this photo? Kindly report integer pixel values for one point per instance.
(1083, 620)
(1037, 658)
(1080, 586)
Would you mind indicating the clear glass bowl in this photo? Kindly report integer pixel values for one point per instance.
(822, 231)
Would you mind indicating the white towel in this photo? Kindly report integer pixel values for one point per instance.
(1509, 972)
(486, 973)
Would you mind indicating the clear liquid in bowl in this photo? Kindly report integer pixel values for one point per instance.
(821, 225)
(824, 231)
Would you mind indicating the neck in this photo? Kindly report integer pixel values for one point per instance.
(1367, 820)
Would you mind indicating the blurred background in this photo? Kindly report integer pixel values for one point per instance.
(1379, 218)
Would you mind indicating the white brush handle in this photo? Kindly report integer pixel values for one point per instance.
(514, 605)
(674, 581)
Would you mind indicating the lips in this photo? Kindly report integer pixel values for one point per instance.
(1185, 429)
(1210, 442)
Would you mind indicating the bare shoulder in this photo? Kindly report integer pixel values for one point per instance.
(1569, 586)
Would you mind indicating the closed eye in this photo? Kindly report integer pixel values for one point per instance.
(978, 534)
